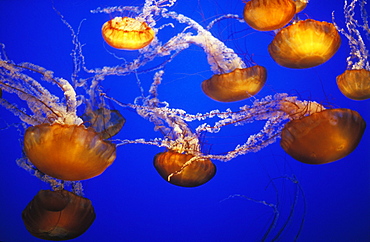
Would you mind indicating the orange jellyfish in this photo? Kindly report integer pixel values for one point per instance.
(323, 137)
(127, 33)
(58, 215)
(184, 170)
(355, 84)
(104, 121)
(300, 5)
(68, 152)
(269, 15)
(305, 44)
(236, 85)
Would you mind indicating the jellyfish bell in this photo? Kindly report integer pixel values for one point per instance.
(269, 15)
(104, 121)
(305, 44)
(172, 167)
(355, 84)
(68, 152)
(236, 85)
(58, 215)
(127, 33)
(300, 5)
(323, 137)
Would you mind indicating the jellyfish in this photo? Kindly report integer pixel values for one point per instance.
(236, 85)
(127, 33)
(233, 80)
(323, 137)
(354, 82)
(300, 5)
(269, 15)
(104, 121)
(58, 215)
(57, 143)
(184, 169)
(305, 44)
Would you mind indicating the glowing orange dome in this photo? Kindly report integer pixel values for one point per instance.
(355, 84)
(323, 137)
(269, 15)
(58, 215)
(236, 85)
(305, 44)
(127, 33)
(170, 164)
(68, 152)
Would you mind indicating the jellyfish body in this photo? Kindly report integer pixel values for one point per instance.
(269, 15)
(68, 152)
(305, 44)
(323, 137)
(172, 167)
(236, 85)
(355, 84)
(58, 215)
(127, 33)
(300, 5)
(104, 121)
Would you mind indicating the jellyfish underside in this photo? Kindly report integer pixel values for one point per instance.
(171, 166)
(127, 33)
(58, 215)
(68, 152)
(305, 44)
(323, 137)
(236, 85)
(355, 84)
(269, 15)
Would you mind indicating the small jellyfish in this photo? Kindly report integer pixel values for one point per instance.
(305, 44)
(104, 121)
(300, 5)
(58, 215)
(68, 152)
(184, 170)
(236, 85)
(355, 84)
(323, 137)
(127, 33)
(269, 15)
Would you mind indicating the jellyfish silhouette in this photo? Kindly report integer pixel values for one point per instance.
(305, 44)
(269, 15)
(323, 137)
(58, 215)
(127, 33)
(184, 169)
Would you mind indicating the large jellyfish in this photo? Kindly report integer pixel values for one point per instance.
(305, 44)
(354, 83)
(57, 143)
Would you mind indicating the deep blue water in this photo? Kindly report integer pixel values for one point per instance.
(132, 202)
